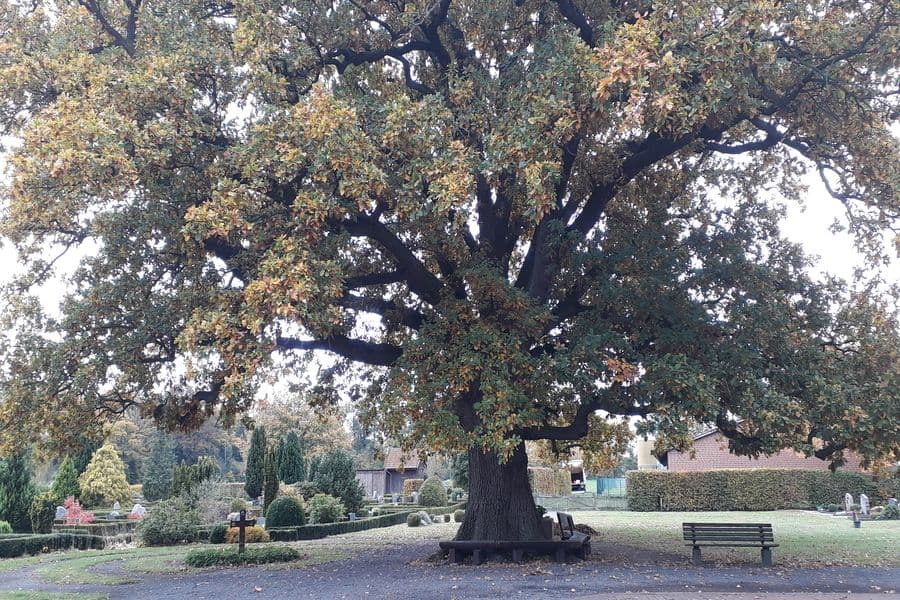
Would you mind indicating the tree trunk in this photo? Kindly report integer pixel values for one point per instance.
(501, 506)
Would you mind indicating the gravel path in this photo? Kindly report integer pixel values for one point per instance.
(405, 572)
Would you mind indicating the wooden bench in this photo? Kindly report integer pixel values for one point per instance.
(741, 535)
(572, 542)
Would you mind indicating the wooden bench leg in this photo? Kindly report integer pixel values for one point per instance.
(477, 556)
(767, 557)
(585, 551)
(695, 556)
(518, 554)
(560, 555)
(456, 555)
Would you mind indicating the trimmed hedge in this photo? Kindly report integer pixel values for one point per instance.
(546, 481)
(12, 546)
(744, 489)
(314, 532)
(259, 555)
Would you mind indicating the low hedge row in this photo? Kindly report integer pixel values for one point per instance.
(259, 555)
(746, 489)
(103, 528)
(314, 532)
(11, 547)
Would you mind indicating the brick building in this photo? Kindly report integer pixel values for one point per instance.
(710, 452)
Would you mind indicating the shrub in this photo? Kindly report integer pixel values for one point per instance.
(66, 482)
(546, 481)
(43, 511)
(890, 513)
(217, 533)
(252, 535)
(432, 493)
(305, 489)
(285, 511)
(833, 507)
(414, 519)
(270, 480)
(459, 515)
(291, 464)
(104, 482)
(212, 557)
(324, 508)
(237, 505)
(336, 475)
(412, 485)
(5, 527)
(170, 522)
(37, 543)
(187, 478)
(742, 489)
(256, 463)
(16, 491)
(158, 472)
(75, 514)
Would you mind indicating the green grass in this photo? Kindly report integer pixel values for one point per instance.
(804, 539)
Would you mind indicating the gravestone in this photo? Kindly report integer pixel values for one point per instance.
(112, 516)
(117, 507)
(848, 502)
(863, 504)
(892, 502)
(138, 511)
(61, 513)
(426, 518)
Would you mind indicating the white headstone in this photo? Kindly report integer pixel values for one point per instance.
(139, 511)
(426, 519)
(117, 507)
(848, 502)
(60, 513)
(863, 504)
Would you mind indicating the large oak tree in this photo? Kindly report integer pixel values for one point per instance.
(506, 220)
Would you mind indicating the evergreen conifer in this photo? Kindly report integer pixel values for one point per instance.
(256, 456)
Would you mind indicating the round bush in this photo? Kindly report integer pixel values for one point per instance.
(217, 533)
(252, 535)
(285, 511)
(890, 513)
(325, 509)
(459, 515)
(5, 527)
(433, 493)
(170, 522)
(414, 519)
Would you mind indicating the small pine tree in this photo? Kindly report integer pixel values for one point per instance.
(336, 475)
(291, 466)
(16, 491)
(158, 469)
(256, 457)
(66, 482)
(270, 485)
(104, 482)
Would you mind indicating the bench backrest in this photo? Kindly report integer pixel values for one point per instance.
(565, 522)
(728, 532)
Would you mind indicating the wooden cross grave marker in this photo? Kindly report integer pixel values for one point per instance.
(242, 524)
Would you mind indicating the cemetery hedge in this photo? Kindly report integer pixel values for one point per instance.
(546, 481)
(746, 489)
(211, 557)
(12, 546)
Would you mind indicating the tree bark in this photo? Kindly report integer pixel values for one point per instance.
(501, 505)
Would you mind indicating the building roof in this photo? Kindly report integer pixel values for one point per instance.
(395, 460)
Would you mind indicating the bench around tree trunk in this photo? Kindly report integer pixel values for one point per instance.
(746, 535)
(572, 542)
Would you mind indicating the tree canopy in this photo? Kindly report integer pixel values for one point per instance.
(500, 217)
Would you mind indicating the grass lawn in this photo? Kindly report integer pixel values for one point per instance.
(804, 539)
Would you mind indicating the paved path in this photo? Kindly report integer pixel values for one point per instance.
(403, 574)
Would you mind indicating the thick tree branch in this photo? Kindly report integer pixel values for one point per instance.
(370, 353)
